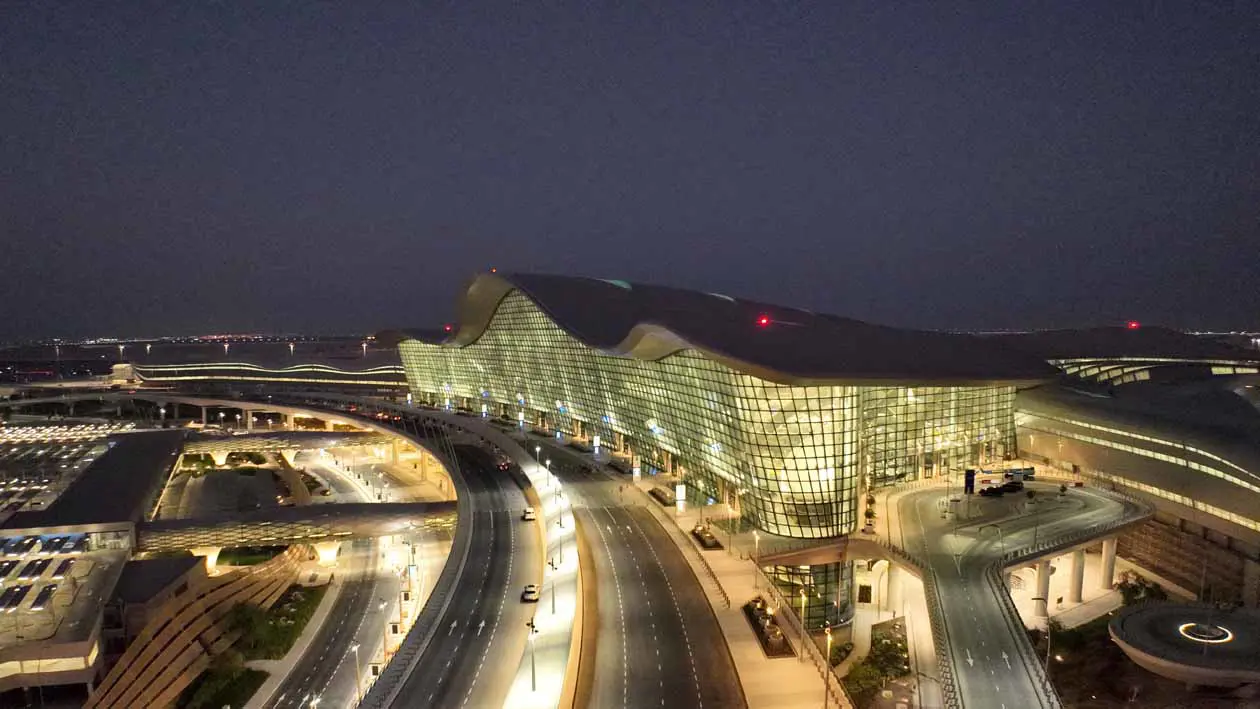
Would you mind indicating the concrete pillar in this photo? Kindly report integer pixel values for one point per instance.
(288, 421)
(327, 552)
(249, 419)
(203, 416)
(394, 452)
(211, 554)
(892, 595)
(1043, 589)
(1108, 563)
(1076, 588)
(289, 455)
(328, 425)
(220, 459)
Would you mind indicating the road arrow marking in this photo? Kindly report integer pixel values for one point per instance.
(452, 630)
(1008, 659)
(970, 662)
(483, 625)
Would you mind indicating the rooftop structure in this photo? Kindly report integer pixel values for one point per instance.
(120, 487)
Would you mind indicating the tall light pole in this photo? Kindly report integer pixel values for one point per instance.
(827, 670)
(552, 564)
(804, 631)
(756, 557)
(358, 679)
(533, 667)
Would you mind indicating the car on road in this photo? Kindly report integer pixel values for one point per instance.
(529, 515)
(996, 491)
(530, 593)
(1013, 486)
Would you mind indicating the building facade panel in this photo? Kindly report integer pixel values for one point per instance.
(790, 458)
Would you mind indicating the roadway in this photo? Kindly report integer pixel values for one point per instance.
(983, 644)
(658, 642)
(474, 654)
(361, 592)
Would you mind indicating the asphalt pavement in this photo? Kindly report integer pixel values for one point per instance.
(658, 643)
(310, 676)
(986, 658)
(474, 654)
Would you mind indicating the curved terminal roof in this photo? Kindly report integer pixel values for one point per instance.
(776, 343)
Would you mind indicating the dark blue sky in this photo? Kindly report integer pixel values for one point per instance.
(196, 167)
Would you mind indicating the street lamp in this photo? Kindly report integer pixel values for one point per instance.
(533, 667)
(221, 416)
(552, 564)
(756, 556)
(827, 670)
(804, 632)
(358, 680)
(238, 421)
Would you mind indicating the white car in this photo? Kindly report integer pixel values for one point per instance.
(529, 515)
(530, 593)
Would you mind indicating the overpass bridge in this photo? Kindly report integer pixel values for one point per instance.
(309, 524)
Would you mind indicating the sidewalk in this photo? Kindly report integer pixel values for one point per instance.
(780, 683)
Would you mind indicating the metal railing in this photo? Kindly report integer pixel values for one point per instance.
(672, 528)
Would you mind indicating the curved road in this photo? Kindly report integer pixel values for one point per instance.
(983, 645)
(658, 643)
(458, 668)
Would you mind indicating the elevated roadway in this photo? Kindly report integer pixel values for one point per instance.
(988, 650)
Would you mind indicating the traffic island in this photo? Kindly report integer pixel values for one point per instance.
(766, 627)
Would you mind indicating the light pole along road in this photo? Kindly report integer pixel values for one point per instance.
(472, 658)
(988, 662)
(658, 642)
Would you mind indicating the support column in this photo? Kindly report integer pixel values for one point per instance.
(288, 421)
(327, 552)
(1075, 590)
(892, 595)
(203, 416)
(289, 456)
(211, 554)
(394, 452)
(1108, 563)
(220, 459)
(328, 425)
(249, 419)
(1043, 589)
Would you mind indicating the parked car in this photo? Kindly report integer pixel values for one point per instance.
(530, 593)
(529, 515)
(996, 491)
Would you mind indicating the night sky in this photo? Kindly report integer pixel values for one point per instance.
(228, 167)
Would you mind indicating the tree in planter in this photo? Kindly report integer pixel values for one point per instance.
(1032, 496)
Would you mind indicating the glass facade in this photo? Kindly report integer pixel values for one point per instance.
(790, 458)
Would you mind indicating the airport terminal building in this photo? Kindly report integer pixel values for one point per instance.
(783, 413)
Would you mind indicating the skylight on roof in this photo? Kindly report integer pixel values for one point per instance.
(619, 284)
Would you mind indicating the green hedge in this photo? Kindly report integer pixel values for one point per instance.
(269, 635)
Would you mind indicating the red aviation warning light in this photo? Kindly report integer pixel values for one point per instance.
(446, 327)
(763, 321)
(1133, 324)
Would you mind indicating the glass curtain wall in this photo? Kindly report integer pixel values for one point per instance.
(791, 454)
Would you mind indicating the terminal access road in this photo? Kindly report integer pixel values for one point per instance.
(658, 643)
(473, 656)
(987, 659)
